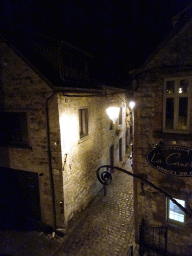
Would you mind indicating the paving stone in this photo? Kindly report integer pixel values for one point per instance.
(109, 223)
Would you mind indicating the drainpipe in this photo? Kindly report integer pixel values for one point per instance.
(49, 161)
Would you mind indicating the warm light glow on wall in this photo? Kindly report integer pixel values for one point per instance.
(69, 131)
(131, 104)
(113, 113)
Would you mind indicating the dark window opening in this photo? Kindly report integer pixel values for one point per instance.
(170, 85)
(184, 86)
(126, 140)
(83, 122)
(183, 106)
(176, 116)
(13, 128)
(111, 156)
(120, 149)
(169, 113)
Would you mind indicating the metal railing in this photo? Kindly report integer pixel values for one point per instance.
(152, 240)
(130, 252)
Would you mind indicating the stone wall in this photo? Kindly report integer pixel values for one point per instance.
(171, 59)
(82, 157)
(25, 91)
(148, 133)
(74, 161)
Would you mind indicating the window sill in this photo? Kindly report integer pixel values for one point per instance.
(87, 137)
(176, 131)
(172, 135)
(174, 225)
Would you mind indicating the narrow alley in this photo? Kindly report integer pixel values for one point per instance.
(105, 228)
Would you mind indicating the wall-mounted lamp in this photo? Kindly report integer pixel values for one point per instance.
(113, 113)
(131, 104)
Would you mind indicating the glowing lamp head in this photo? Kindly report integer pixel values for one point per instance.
(131, 104)
(180, 90)
(113, 113)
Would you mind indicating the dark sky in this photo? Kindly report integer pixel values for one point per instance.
(121, 34)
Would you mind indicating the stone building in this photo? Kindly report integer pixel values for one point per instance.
(54, 132)
(163, 140)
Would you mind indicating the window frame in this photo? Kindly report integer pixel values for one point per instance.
(83, 135)
(172, 221)
(176, 97)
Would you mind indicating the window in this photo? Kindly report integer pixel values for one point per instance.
(126, 140)
(13, 128)
(176, 104)
(83, 122)
(111, 125)
(120, 149)
(111, 156)
(120, 115)
(175, 214)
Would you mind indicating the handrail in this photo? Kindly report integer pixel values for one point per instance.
(105, 178)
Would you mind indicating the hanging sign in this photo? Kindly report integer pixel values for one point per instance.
(172, 160)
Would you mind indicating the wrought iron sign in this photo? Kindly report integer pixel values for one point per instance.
(172, 160)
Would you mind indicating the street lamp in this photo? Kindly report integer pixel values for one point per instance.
(113, 113)
(131, 104)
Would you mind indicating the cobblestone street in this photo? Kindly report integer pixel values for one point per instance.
(105, 228)
(108, 228)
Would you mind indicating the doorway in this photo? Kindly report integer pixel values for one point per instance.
(19, 199)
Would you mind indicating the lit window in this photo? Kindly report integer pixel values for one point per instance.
(174, 212)
(176, 104)
(83, 122)
(13, 128)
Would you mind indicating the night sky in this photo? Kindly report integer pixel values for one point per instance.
(121, 34)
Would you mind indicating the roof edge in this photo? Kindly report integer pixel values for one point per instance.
(76, 89)
(3, 39)
(66, 43)
(178, 29)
